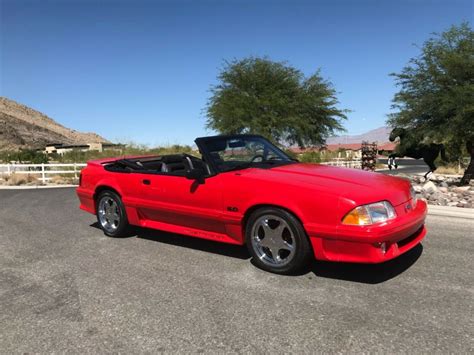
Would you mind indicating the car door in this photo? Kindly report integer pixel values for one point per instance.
(179, 201)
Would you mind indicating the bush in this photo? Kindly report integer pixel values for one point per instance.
(310, 157)
(63, 180)
(129, 149)
(19, 179)
(24, 156)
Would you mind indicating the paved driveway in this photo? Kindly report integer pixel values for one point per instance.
(64, 286)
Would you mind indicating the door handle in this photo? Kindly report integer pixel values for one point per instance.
(146, 182)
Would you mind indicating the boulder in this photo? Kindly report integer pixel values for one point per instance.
(430, 187)
(443, 202)
(418, 188)
(461, 189)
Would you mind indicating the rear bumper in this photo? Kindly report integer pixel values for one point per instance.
(373, 244)
(86, 199)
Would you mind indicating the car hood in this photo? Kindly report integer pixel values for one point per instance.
(355, 185)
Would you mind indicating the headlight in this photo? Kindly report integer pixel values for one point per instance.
(413, 196)
(370, 214)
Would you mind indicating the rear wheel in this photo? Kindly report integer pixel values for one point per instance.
(277, 241)
(111, 215)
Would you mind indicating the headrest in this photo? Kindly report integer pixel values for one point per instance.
(171, 159)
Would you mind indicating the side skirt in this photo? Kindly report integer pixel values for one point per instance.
(172, 228)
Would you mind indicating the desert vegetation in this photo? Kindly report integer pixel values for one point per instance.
(18, 179)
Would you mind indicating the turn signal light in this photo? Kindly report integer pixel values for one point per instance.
(370, 214)
(358, 216)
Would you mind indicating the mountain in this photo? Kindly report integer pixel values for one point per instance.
(379, 135)
(25, 128)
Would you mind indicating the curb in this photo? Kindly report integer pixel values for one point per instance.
(447, 211)
(34, 187)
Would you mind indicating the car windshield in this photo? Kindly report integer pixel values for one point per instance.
(240, 152)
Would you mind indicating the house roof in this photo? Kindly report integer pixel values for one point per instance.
(348, 146)
(387, 146)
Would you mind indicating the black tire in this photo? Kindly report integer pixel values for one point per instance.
(120, 229)
(302, 250)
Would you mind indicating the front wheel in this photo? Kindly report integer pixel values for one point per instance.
(277, 241)
(111, 215)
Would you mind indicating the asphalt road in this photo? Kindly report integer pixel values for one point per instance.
(64, 286)
(405, 166)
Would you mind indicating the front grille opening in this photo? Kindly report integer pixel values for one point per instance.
(403, 242)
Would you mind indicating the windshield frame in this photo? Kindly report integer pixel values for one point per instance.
(201, 142)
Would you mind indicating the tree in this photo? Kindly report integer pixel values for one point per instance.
(436, 97)
(259, 96)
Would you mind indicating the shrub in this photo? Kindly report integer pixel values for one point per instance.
(310, 157)
(20, 179)
(62, 180)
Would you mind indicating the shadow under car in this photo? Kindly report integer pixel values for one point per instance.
(363, 273)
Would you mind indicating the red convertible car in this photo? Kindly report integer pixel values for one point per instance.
(245, 190)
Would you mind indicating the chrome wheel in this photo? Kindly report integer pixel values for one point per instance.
(109, 215)
(273, 240)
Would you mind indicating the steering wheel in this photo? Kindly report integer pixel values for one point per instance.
(256, 157)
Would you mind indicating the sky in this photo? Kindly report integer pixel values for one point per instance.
(140, 71)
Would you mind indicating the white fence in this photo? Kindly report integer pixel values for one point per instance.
(42, 170)
(356, 164)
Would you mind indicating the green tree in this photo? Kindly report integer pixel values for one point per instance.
(436, 97)
(259, 96)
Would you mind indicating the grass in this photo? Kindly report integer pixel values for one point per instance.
(450, 170)
(18, 179)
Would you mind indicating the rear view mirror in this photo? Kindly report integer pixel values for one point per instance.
(236, 143)
(196, 174)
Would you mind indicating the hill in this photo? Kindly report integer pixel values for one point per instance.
(380, 135)
(22, 127)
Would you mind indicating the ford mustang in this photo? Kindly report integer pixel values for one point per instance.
(242, 189)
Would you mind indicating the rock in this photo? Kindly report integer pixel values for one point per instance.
(461, 189)
(440, 196)
(430, 187)
(418, 188)
(443, 202)
(452, 204)
(443, 189)
(443, 184)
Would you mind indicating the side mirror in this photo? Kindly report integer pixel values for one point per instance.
(196, 174)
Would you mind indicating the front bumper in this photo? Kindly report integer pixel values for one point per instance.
(364, 244)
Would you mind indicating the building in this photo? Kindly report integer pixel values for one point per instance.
(59, 148)
(351, 151)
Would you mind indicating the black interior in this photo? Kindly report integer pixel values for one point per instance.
(175, 164)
